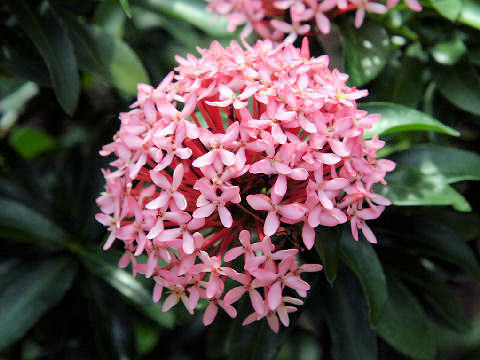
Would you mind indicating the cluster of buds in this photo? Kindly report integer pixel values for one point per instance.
(229, 152)
(268, 17)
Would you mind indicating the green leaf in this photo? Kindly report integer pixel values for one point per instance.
(147, 337)
(193, 12)
(326, 245)
(442, 242)
(405, 326)
(398, 118)
(346, 314)
(448, 8)
(17, 98)
(448, 52)
(363, 261)
(461, 86)
(366, 52)
(51, 40)
(21, 223)
(408, 186)
(126, 7)
(123, 66)
(32, 290)
(104, 266)
(110, 17)
(470, 14)
(408, 87)
(12, 104)
(428, 280)
(114, 337)
(439, 296)
(108, 56)
(31, 142)
(443, 162)
(20, 58)
(423, 173)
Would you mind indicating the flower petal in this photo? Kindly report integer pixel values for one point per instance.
(225, 216)
(210, 314)
(271, 223)
(204, 211)
(275, 295)
(259, 202)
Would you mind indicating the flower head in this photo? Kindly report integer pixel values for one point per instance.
(227, 151)
(262, 16)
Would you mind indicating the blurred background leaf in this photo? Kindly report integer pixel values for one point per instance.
(32, 290)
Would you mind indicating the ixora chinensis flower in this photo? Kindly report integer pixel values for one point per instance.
(266, 17)
(229, 151)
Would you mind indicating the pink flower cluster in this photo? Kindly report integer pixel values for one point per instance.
(267, 17)
(239, 145)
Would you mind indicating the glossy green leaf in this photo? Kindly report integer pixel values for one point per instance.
(442, 242)
(111, 18)
(346, 314)
(442, 162)
(362, 259)
(31, 142)
(429, 281)
(193, 12)
(470, 14)
(424, 172)
(408, 186)
(448, 52)
(465, 225)
(21, 223)
(398, 118)
(108, 56)
(51, 40)
(114, 331)
(31, 291)
(104, 266)
(441, 299)
(461, 86)
(366, 52)
(405, 326)
(448, 8)
(326, 245)
(126, 7)
(123, 66)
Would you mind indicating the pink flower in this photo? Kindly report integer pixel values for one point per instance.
(208, 202)
(234, 148)
(293, 211)
(170, 189)
(281, 312)
(267, 17)
(217, 143)
(212, 310)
